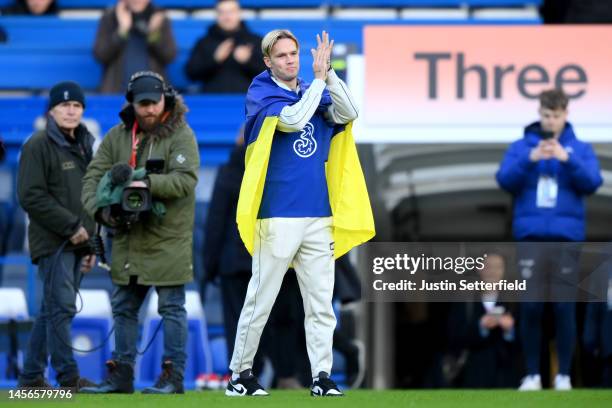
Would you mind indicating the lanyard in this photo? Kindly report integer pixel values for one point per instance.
(135, 143)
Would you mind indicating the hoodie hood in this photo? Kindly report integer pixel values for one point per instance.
(533, 131)
(173, 122)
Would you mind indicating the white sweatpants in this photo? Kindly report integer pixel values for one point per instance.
(307, 243)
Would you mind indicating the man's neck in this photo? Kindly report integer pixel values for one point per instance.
(289, 85)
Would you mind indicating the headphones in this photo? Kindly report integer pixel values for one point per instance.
(169, 92)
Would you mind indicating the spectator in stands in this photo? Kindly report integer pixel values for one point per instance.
(576, 11)
(589, 12)
(554, 11)
(549, 172)
(485, 331)
(32, 8)
(52, 164)
(229, 56)
(155, 250)
(133, 36)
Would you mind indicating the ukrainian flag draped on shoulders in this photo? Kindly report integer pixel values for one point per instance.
(353, 223)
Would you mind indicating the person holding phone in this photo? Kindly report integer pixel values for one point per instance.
(484, 332)
(228, 57)
(157, 250)
(133, 36)
(549, 172)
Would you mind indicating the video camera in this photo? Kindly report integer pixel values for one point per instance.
(135, 202)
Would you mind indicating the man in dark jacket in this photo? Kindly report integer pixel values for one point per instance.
(483, 332)
(133, 36)
(229, 56)
(549, 172)
(52, 164)
(156, 250)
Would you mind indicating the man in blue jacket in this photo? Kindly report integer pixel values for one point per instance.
(549, 172)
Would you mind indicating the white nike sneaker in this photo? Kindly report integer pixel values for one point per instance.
(563, 382)
(245, 385)
(531, 383)
(323, 386)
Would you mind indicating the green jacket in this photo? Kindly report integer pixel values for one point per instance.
(156, 250)
(49, 188)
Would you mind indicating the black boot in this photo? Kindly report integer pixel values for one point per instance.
(120, 380)
(77, 383)
(170, 381)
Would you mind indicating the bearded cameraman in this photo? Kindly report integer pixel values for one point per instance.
(156, 250)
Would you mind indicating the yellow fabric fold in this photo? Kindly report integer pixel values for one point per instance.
(353, 223)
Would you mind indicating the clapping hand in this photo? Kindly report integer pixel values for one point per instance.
(124, 17)
(322, 56)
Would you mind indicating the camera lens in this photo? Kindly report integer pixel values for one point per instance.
(135, 200)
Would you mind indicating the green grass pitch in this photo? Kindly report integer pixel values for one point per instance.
(353, 399)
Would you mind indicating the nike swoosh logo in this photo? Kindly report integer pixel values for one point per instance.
(239, 388)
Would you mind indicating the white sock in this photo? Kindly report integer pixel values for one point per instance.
(235, 376)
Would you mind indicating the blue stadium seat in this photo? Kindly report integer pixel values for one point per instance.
(38, 56)
(218, 347)
(90, 327)
(338, 369)
(6, 206)
(17, 232)
(7, 192)
(190, 4)
(215, 120)
(85, 4)
(213, 305)
(13, 306)
(434, 3)
(18, 272)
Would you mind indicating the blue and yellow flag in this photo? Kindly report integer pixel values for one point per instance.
(353, 223)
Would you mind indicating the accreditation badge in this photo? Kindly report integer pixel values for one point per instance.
(547, 192)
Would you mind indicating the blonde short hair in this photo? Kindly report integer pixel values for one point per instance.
(272, 38)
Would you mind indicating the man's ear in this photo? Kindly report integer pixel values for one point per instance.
(267, 62)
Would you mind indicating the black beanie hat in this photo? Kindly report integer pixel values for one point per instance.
(66, 91)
